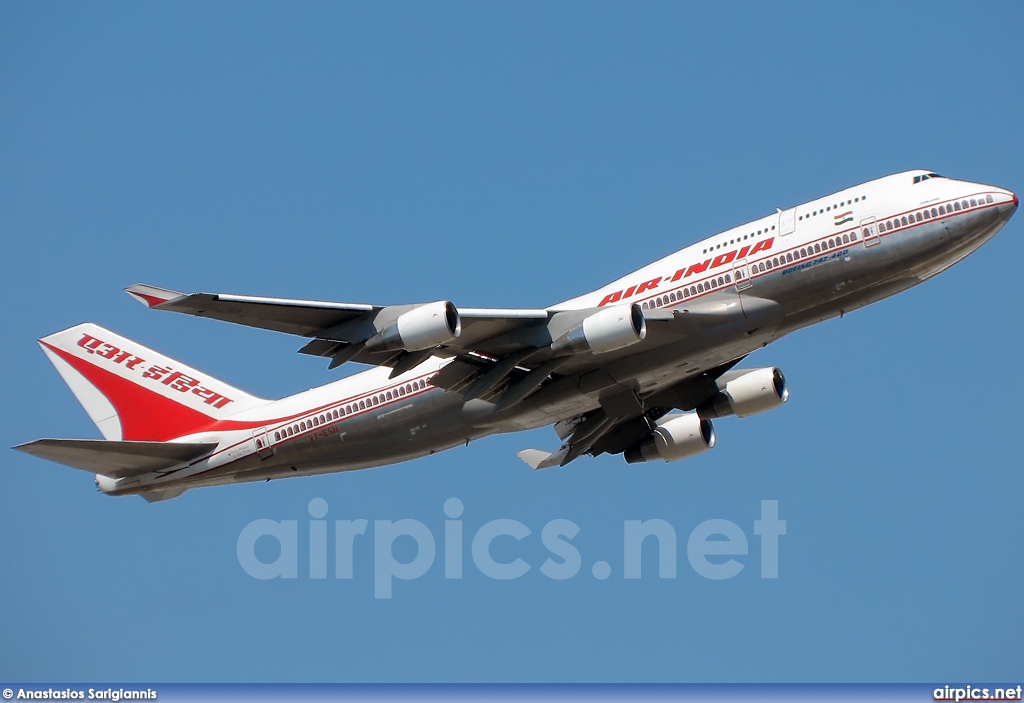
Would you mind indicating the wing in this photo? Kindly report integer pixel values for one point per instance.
(624, 420)
(499, 355)
(359, 332)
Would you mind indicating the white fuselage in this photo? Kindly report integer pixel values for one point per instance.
(780, 272)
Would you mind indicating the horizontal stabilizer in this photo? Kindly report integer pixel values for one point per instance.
(115, 459)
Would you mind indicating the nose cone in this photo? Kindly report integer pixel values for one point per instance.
(1016, 201)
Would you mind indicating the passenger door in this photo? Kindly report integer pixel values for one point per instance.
(869, 232)
(741, 274)
(787, 221)
(264, 449)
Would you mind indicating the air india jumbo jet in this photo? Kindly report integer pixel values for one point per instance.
(639, 367)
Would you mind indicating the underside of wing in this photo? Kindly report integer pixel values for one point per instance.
(398, 336)
(501, 356)
(299, 317)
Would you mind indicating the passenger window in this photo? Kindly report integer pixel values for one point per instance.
(974, 202)
(362, 405)
(290, 432)
(817, 248)
(917, 216)
(927, 214)
(277, 436)
(942, 209)
(853, 236)
(935, 213)
(956, 206)
(846, 239)
(803, 252)
(965, 204)
(988, 198)
(728, 278)
(789, 257)
(302, 425)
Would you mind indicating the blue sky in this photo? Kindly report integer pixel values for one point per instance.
(511, 155)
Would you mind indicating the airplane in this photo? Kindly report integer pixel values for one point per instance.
(639, 367)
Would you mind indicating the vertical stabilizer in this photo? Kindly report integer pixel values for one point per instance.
(134, 393)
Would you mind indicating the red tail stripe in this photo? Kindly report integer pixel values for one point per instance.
(151, 300)
(144, 415)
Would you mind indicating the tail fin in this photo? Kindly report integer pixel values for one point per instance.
(133, 393)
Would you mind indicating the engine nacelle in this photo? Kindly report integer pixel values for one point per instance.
(676, 437)
(105, 484)
(750, 393)
(423, 327)
(610, 329)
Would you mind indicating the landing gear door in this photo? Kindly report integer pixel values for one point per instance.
(264, 449)
(869, 232)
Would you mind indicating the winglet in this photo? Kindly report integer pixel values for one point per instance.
(151, 296)
(538, 459)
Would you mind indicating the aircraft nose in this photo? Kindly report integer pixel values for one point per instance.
(1016, 201)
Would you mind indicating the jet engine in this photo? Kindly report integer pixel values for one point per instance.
(423, 327)
(676, 437)
(749, 393)
(604, 331)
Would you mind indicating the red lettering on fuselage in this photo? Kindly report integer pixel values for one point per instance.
(648, 285)
(722, 259)
(685, 272)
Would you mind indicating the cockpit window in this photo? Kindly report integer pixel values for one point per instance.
(925, 177)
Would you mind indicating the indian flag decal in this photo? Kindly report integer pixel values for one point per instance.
(844, 218)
